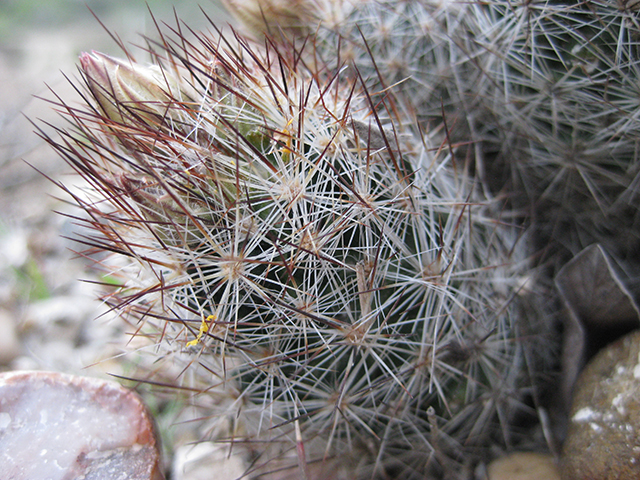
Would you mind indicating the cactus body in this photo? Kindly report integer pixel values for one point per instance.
(543, 94)
(314, 235)
(336, 283)
(566, 76)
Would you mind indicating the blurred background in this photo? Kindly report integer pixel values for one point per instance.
(49, 319)
(50, 315)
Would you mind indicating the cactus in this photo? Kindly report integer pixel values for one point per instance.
(297, 231)
(566, 80)
(336, 284)
(544, 94)
(426, 52)
(423, 51)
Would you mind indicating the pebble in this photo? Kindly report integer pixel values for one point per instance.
(603, 440)
(9, 342)
(524, 466)
(199, 461)
(56, 426)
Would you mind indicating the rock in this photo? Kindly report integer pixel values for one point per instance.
(603, 441)
(201, 460)
(599, 308)
(524, 466)
(64, 333)
(55, 426)
(9, 341)
(13, 249)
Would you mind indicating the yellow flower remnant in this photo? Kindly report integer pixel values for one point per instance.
(204, 328)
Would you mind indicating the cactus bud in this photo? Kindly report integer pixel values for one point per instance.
(130, 93)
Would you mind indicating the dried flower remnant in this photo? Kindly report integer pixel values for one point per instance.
(293, 18)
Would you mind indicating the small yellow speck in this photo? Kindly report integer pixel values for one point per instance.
(204, 328)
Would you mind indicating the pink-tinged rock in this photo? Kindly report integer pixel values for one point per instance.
(63, 427)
